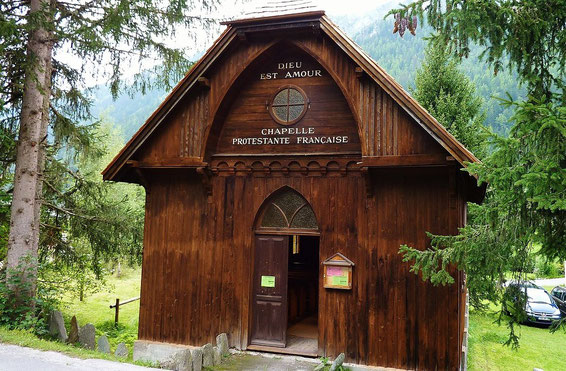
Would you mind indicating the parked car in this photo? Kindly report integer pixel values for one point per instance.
(541, 308)
(559, 295)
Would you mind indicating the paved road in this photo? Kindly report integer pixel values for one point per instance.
(551, 282)
(16, 358)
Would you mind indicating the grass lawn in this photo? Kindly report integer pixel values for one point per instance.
(538, 347)
(95, 309)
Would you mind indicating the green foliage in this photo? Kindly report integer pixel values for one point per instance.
(525, 203)
(85, 223)
(547, 268)
(95, 307)
(528, 36)
(451, 98)
(400, 57)
(23, 312)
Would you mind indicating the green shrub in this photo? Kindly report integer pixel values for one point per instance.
(21, 311)
(545, 268)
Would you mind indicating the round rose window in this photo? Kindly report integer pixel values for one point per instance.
(288, 105)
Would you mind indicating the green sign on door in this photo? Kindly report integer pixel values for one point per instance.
(267, 281)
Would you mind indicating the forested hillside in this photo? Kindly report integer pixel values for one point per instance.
(400, 57)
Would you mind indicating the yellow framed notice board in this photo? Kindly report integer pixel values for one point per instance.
(338, 272)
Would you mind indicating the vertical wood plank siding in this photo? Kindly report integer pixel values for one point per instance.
(198, 258)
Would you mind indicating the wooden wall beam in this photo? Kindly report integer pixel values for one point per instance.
(191, 162)
(408, 160)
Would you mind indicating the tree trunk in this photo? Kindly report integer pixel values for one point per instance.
(23, 239)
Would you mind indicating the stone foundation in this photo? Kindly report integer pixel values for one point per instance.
(164, 354)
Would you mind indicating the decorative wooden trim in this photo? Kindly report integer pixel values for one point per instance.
(290, 23)
(391, 87)
(203, 82)
(286, 166)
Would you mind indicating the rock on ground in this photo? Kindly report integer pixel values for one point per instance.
(197, 359)
(121, 351)
(74, 333)
(87, 336)
(57, 326)
(216, 356)
(338, 362)
(207, 355)
(222, 344)
(103, 345)
(184, 361)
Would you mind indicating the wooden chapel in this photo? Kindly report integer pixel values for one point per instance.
(282, 174)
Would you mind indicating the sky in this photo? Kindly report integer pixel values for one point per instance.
(335, 7)
(352, 6)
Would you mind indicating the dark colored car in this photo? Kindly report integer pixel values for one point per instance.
(559, 295)
(541, 308)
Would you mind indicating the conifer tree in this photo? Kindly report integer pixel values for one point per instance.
(525, 206)
(49, 49)
(450, 97)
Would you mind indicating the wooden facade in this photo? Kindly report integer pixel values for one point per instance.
(372, 167)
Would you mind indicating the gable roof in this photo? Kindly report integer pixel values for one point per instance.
(347, 45)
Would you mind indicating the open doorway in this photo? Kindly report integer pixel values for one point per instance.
(302, 294)
(284, 300)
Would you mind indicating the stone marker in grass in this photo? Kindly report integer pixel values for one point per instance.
(86, 336)
(216, 356)
(57, 326)
(121, 351)
(103, 345)
(338, 362)
(184, 361)
(74, 333)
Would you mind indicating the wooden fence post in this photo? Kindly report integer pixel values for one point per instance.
(117, 311)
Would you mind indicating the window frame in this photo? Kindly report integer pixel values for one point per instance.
(306, 105)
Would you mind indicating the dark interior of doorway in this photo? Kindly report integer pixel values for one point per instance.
(302, 330)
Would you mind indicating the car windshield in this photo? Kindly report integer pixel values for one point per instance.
(540, 296)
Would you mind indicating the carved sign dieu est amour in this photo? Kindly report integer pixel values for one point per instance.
(326, 125)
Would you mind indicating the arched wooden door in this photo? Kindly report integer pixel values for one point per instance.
(283, 215)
